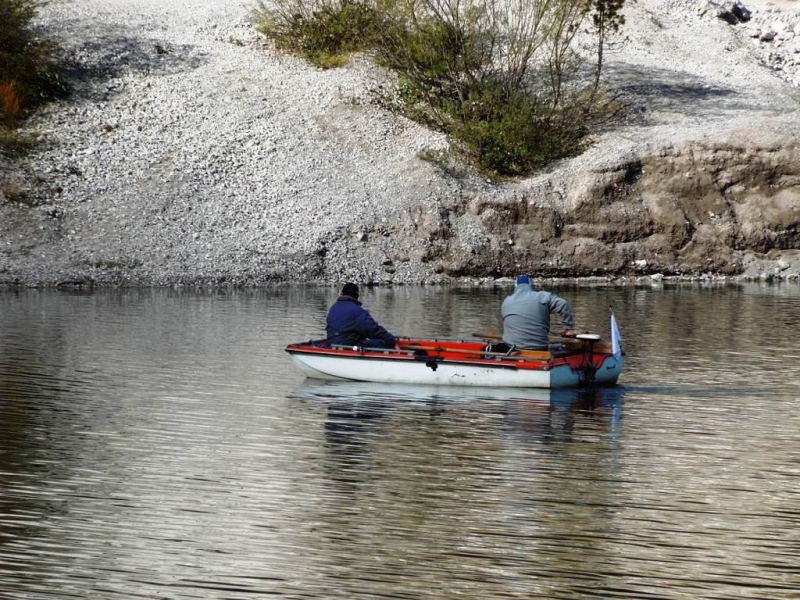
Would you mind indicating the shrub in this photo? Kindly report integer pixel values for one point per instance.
(436, 60)
(28, 71)
(514, 136)
(324, 32)
(500, 76)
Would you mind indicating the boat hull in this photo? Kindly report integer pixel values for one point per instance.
(390, 369)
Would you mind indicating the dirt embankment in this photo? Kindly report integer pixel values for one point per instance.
(690, 210)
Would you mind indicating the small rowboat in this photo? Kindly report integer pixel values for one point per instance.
(579, 361)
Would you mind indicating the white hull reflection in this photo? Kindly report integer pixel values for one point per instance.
(370, 392)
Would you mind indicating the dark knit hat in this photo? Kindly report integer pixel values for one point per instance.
(350, 289)
(523, 279)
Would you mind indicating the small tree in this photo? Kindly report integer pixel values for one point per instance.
(607, 19)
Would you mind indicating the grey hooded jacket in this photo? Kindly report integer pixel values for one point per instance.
(526, 317)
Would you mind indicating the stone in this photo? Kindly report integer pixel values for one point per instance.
(727, 16)
(704, 6)
(732, 13)
(741, 11)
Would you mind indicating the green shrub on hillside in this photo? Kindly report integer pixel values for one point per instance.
(325, 32)
(28, 75)
(516, 136)
(501, 77)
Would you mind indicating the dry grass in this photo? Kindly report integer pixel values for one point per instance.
(10, 102)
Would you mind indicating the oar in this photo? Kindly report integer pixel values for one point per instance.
(529, 354)
(497, 336)
(488, 336)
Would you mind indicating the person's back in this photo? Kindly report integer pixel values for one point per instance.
(348, 324)
(526, 316)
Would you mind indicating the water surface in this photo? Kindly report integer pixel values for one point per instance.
(159, 444)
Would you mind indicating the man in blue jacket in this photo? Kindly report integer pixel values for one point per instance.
(526, 316)
(348, 324)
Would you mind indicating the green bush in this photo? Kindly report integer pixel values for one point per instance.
(436, 60)
(28, 71)
(325, 33)
(502, 79)
(514, 136)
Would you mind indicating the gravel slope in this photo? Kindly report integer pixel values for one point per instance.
(688, 78)
(191, 151)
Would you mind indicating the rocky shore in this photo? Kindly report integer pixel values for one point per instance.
(192, 153)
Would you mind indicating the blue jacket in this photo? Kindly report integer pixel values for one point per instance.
(349, 325)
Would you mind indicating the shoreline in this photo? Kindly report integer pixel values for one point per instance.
(655, 280)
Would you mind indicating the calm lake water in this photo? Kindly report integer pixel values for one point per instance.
(160, 444)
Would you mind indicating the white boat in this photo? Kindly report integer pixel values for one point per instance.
(584, 360)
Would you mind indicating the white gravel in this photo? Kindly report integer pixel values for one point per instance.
(687, 78)
(191, 150)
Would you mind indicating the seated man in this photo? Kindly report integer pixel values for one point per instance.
(348, 324)
(526, 318)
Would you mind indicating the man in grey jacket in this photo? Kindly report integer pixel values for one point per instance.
(526, 316)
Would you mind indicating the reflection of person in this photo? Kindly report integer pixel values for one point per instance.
(566, 413)
(348, 324)
(348, 431)
(526, 317)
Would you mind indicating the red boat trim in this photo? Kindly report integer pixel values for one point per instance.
(574, 361)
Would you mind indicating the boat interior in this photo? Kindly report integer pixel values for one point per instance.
(480, 349)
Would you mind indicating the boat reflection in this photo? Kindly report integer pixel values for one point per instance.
(569, 413)
(367, 398)
(432, 471)
(370, 393)
(372, 429)
(356, 408)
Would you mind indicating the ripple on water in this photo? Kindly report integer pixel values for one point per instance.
(159, 444)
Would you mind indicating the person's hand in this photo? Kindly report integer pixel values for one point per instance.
(568, 333)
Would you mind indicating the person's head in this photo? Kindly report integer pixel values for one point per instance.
(350, 289)
(523, 280)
